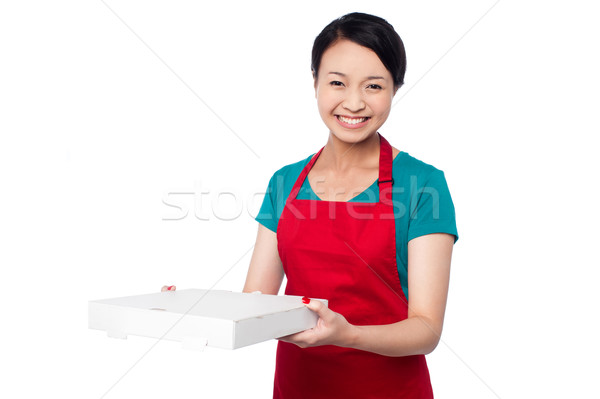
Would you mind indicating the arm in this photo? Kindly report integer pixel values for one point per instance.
(428, 276)
(265, 273)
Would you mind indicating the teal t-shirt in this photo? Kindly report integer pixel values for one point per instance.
(422, 202)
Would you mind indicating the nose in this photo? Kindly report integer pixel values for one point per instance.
(354, 101)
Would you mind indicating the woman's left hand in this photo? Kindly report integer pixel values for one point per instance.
(332, 329)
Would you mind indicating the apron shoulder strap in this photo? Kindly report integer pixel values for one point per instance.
(385, 164)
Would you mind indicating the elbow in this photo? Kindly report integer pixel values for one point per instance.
(432, 337)
(431, 345)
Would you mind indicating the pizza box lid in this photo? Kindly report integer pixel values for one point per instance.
(201, 317)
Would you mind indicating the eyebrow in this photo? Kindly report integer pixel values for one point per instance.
(368, 77)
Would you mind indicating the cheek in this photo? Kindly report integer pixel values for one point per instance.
(382, 106)
(327, 100)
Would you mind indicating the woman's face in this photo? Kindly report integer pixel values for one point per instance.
(354, 91)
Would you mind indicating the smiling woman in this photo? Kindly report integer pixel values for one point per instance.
(354, 92)
(361, 224)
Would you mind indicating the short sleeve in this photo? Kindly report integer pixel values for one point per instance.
(431, 206)
(267, 215)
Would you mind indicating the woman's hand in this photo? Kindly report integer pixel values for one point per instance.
(167, 288)
(332, 329)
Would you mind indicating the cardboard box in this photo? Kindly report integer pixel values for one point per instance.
(197, 317)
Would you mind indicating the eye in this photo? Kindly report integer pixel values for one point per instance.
(336, 83)
(374, 86)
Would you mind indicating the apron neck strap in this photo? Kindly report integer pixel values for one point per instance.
(385, 164)
(385, 168)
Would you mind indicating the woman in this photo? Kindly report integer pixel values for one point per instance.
(362, 225)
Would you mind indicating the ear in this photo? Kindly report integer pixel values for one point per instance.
(315, 82)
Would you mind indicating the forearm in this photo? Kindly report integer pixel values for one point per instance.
(413, 336)
(265, 272)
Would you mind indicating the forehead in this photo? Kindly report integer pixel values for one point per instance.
(352, 59)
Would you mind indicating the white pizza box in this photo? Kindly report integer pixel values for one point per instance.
(198, 317)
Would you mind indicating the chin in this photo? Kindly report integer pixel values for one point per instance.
(351, 137)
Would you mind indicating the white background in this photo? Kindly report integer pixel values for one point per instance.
(109, 108)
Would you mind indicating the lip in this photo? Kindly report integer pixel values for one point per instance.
(352, 126)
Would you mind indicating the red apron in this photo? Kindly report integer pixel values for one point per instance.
(346, 252)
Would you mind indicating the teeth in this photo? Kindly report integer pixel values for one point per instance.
(351, 121)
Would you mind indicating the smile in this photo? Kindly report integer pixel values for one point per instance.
(352, 122)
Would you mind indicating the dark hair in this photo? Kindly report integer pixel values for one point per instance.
(368, 31)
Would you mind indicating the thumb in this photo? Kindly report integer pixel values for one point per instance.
(320, 309)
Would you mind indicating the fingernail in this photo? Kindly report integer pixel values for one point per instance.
(170, 287)
(305, 300)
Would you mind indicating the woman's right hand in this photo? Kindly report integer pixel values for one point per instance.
(167, 288)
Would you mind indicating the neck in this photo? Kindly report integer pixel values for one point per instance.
(341, 156)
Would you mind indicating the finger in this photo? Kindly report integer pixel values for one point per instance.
(320, 309)
(164, 288)
(287, 338)
(300, 339)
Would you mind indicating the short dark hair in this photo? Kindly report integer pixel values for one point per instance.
(368, 31)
